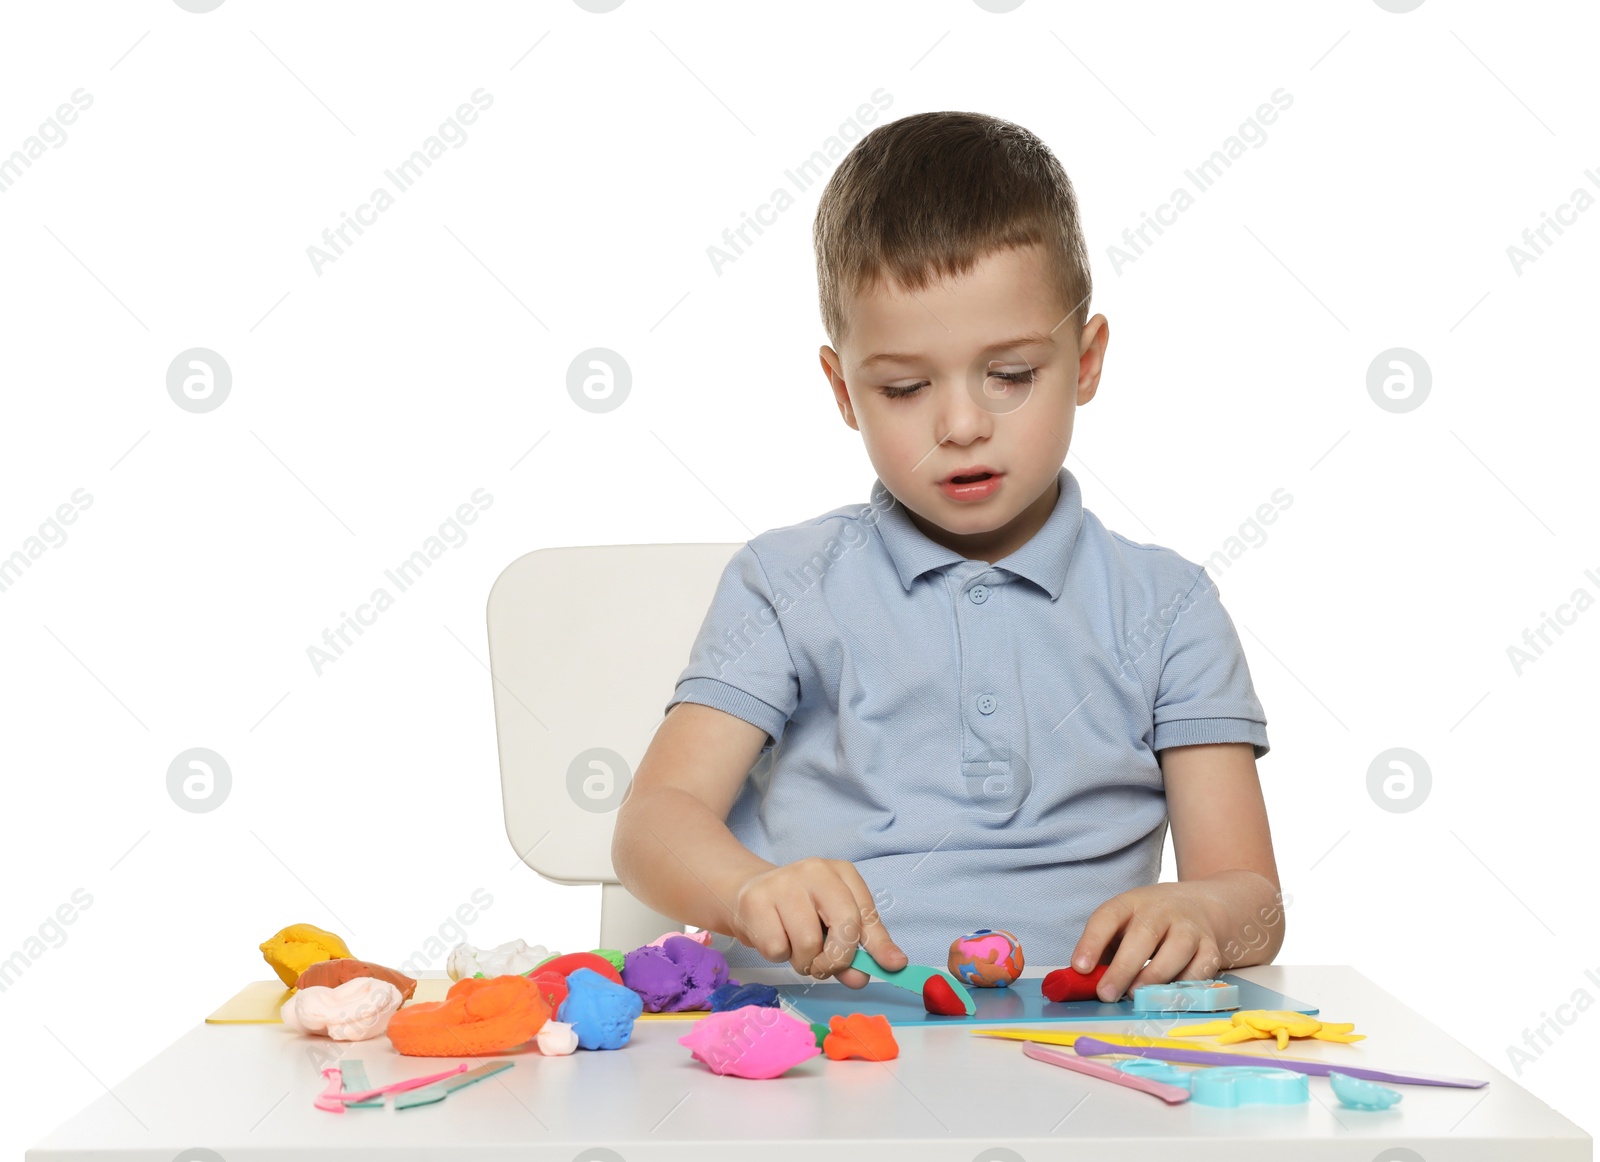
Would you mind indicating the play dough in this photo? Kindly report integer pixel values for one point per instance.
(513, 956)
(754, 1042)
(296, 948)
(478, 1015)
(556, 1039)
(1266, 1024)
(1068, 984)
(939, 997)
(356, 1010)
(734, 995)
(678, 976)
(988, 958)
(701, 937)
(552, 985)
(600, 1011)
(333, 973)
(575, 960)
(860, 1035)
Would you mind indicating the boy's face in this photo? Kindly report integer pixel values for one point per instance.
(985, 370)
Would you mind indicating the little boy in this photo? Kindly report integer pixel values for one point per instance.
(965, 703)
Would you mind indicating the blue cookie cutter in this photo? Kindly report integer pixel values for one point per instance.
(1228, 1085)
(1243, 1085)
(1357, 1094)
(1186, 996)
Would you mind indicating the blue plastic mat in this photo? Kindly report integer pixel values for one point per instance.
(1019, 1003)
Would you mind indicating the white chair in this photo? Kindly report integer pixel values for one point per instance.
(585, 647)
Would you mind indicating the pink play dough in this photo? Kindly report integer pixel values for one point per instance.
(701, 937)
(754, 1041)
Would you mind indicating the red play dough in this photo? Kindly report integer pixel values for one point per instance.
(1068, 984)
(939, 997)
(564, 965)
(552, 986)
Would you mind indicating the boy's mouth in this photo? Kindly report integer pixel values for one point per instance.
(970, 479)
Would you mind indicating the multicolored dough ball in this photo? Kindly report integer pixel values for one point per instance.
(990, 958)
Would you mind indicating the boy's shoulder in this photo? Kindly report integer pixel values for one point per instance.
(1162, 570)
(803, 539)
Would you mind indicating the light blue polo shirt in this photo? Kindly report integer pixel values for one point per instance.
(978, 739)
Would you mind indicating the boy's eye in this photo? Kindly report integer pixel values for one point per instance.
(1018, 378)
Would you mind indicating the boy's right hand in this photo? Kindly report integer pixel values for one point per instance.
(814, 913)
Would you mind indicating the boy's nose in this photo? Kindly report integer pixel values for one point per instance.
(962, 416)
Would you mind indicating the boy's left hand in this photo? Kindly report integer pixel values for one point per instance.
(1172, 925)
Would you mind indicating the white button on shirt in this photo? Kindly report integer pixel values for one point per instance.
(978, 739)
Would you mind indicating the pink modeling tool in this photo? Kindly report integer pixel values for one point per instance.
(332, 1100)
(1089, 1047)
(1171, 1094)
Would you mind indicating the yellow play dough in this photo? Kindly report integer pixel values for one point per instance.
(298, 947)
(1269, 1024)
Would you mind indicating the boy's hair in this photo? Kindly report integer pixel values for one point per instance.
(925, 197)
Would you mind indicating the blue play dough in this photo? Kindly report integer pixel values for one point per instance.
(734, 995)
(600, 1011)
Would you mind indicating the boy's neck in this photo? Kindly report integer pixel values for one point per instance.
(1000, 543)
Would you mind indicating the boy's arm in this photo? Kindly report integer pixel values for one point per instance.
(1224, 910)
(1221, 840)
(671, 848)
(673, 851)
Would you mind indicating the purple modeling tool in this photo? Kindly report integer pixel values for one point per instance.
(1089, 1047)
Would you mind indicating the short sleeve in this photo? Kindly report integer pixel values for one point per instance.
(1204, 693)
(740, 662)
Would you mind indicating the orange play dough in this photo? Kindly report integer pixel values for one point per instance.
(859, 1035)
(478, 1015)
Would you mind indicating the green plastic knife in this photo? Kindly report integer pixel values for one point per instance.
(429, 1094)
(912, 977)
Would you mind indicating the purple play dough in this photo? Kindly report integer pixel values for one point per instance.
(676, 976)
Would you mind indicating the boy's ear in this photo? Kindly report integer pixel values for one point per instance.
(1091, 358)
(831, 368)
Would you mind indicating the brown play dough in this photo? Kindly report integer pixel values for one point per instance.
(333, 973)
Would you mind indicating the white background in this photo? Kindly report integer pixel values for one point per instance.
(371, 400)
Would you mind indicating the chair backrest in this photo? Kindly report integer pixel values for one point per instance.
(585, 646)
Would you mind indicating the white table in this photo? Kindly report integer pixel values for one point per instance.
(245, 1092)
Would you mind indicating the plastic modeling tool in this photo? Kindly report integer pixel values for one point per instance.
(334, 1098)
(353, 1075)
(1186, 996)
(1171, 1094)
(1069, 1037)
(912, 977)
(1094, 1047)
(432, 1093)
(1356, 1094)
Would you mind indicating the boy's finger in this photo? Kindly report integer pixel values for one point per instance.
(884, 950)
(853, 977)
(1135, 948)
(1170, 959)
(875, 936)
(1103, 925)
(842, 930)
(803, 930)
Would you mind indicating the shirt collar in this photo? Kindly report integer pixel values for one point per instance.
(1043, 560)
